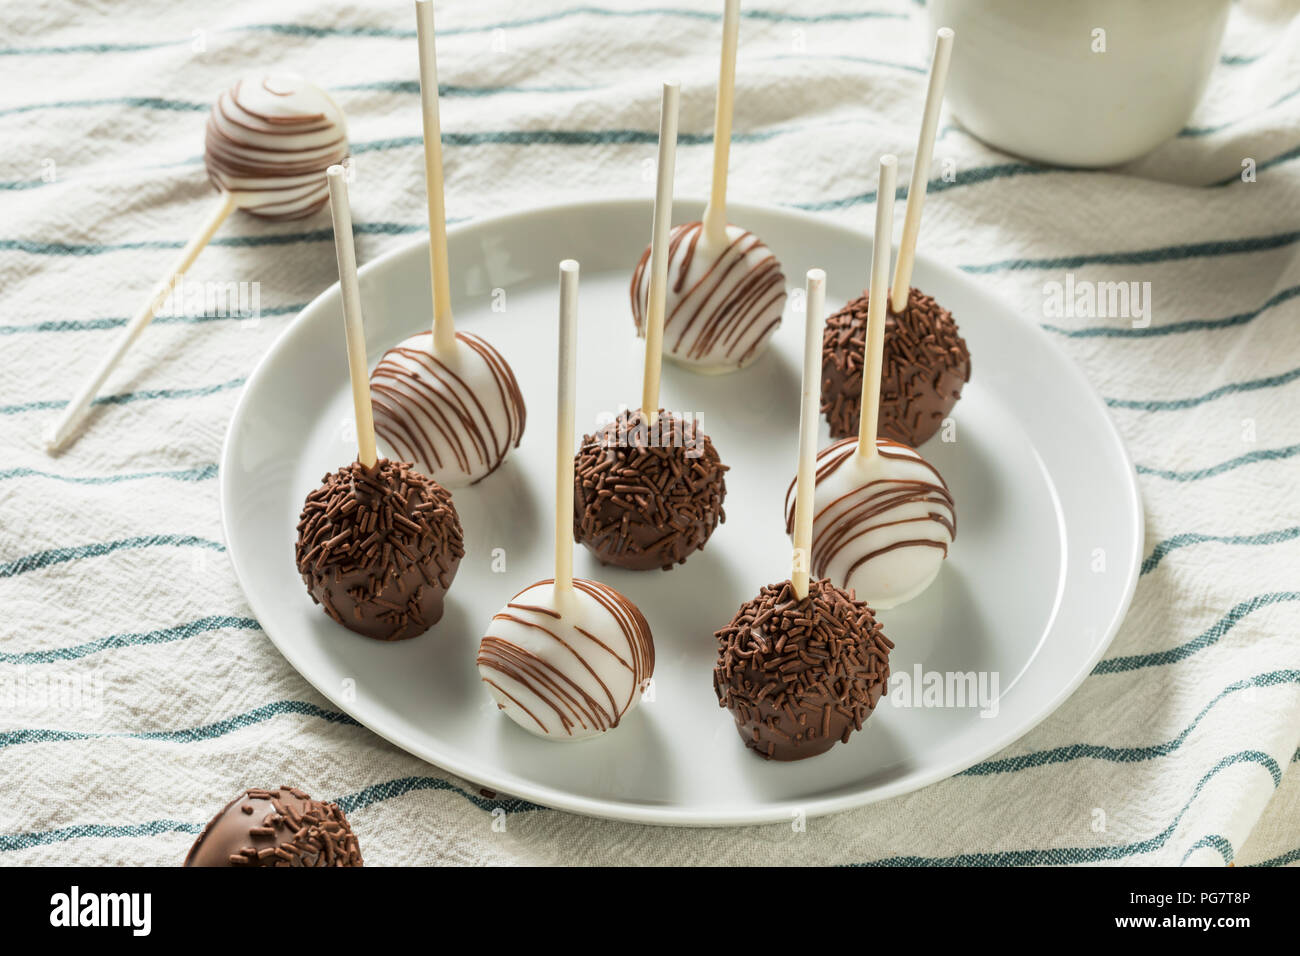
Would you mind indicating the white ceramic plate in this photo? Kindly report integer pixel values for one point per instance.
(1039, 474)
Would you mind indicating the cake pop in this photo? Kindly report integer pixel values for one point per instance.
(650, 485)
(728, 291)
(925, 361)
(280, 827)
(378, 542)
(270, 138)
(446, 400)
(803, 664)
(567, 658)
(884, 517)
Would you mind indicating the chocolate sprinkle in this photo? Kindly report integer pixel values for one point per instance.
(799, 675)
(642, 503)
(378, 548)
(924, 366)
(292, 830)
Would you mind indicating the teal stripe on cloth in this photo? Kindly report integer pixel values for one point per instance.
(165, 635)
(1190, 538)
(1197, 474)
(1211, 635)
(1215, 842)
(44, 559)
(1072, 752)
(121, 831)
(189, 735)
(201, 473)
(126, 398)
(1088, 854)
(117, 322)
(1176, 253)
(379, 792)
(1179, 404)
(1177, 328)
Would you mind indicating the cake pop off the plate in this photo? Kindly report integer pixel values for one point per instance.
(270, 138)
(726, 291)
(650, 485)
(884, 517)
(378, 542)
(925, 362)
(802, 665)
(567, 658)
(279, 827)
(446, 400)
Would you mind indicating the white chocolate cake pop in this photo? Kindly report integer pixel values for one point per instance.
(455, 417)
(724, 299)
(569, 664)
(726, 291)
(567, 658)
(270, 139)
(447, 401)
(881, 525)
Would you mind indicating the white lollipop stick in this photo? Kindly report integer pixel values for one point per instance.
(663, 217)
(444, 329)
(67, 423)
(358, 368)
(809, 408)
(715, 213)
(921, 170)
(881, 245)
(564, 425)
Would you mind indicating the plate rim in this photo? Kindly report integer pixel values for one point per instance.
(662, 814)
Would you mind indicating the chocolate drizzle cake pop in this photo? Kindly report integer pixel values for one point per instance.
(567, 658)
(647, 496)
(270, 139)
(799, 675)
(378, 548)
(802, 665)
(925, 365)
(728, 292)
(281, 827)
(448, 401)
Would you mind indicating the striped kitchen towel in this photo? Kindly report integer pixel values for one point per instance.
(137, 691)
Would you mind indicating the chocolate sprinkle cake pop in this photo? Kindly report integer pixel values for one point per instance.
(378, 548)
(270, 139)
(925, 364)
(647, 496)
(281, 827)
(799, 675)
(723, 302)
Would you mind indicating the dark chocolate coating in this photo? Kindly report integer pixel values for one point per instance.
(800, 675)
(282, 827)
(378, 548)
(640, 502)
(923, 368)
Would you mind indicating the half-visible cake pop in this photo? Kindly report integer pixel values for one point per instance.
(567, 658)
(925, 362)
(280, 827)
(804, 663)
(728, 291)
(445, 400)
(884, 517)
(650, 485)
(270, 138)
(378, 542)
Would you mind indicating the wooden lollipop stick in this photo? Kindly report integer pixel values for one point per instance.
(663, 217)
(444, 329)
(358, 368)
(881, 244)
(566, 382)
(809, 408)
(921, 169)
(715, 213)
(62, 430)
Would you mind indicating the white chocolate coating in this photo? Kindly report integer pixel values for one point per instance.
(270, 139)
(881, 526)
(567, 665)
(723, 304)
(455, 417)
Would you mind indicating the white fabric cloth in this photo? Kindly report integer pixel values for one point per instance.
(116, 591)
